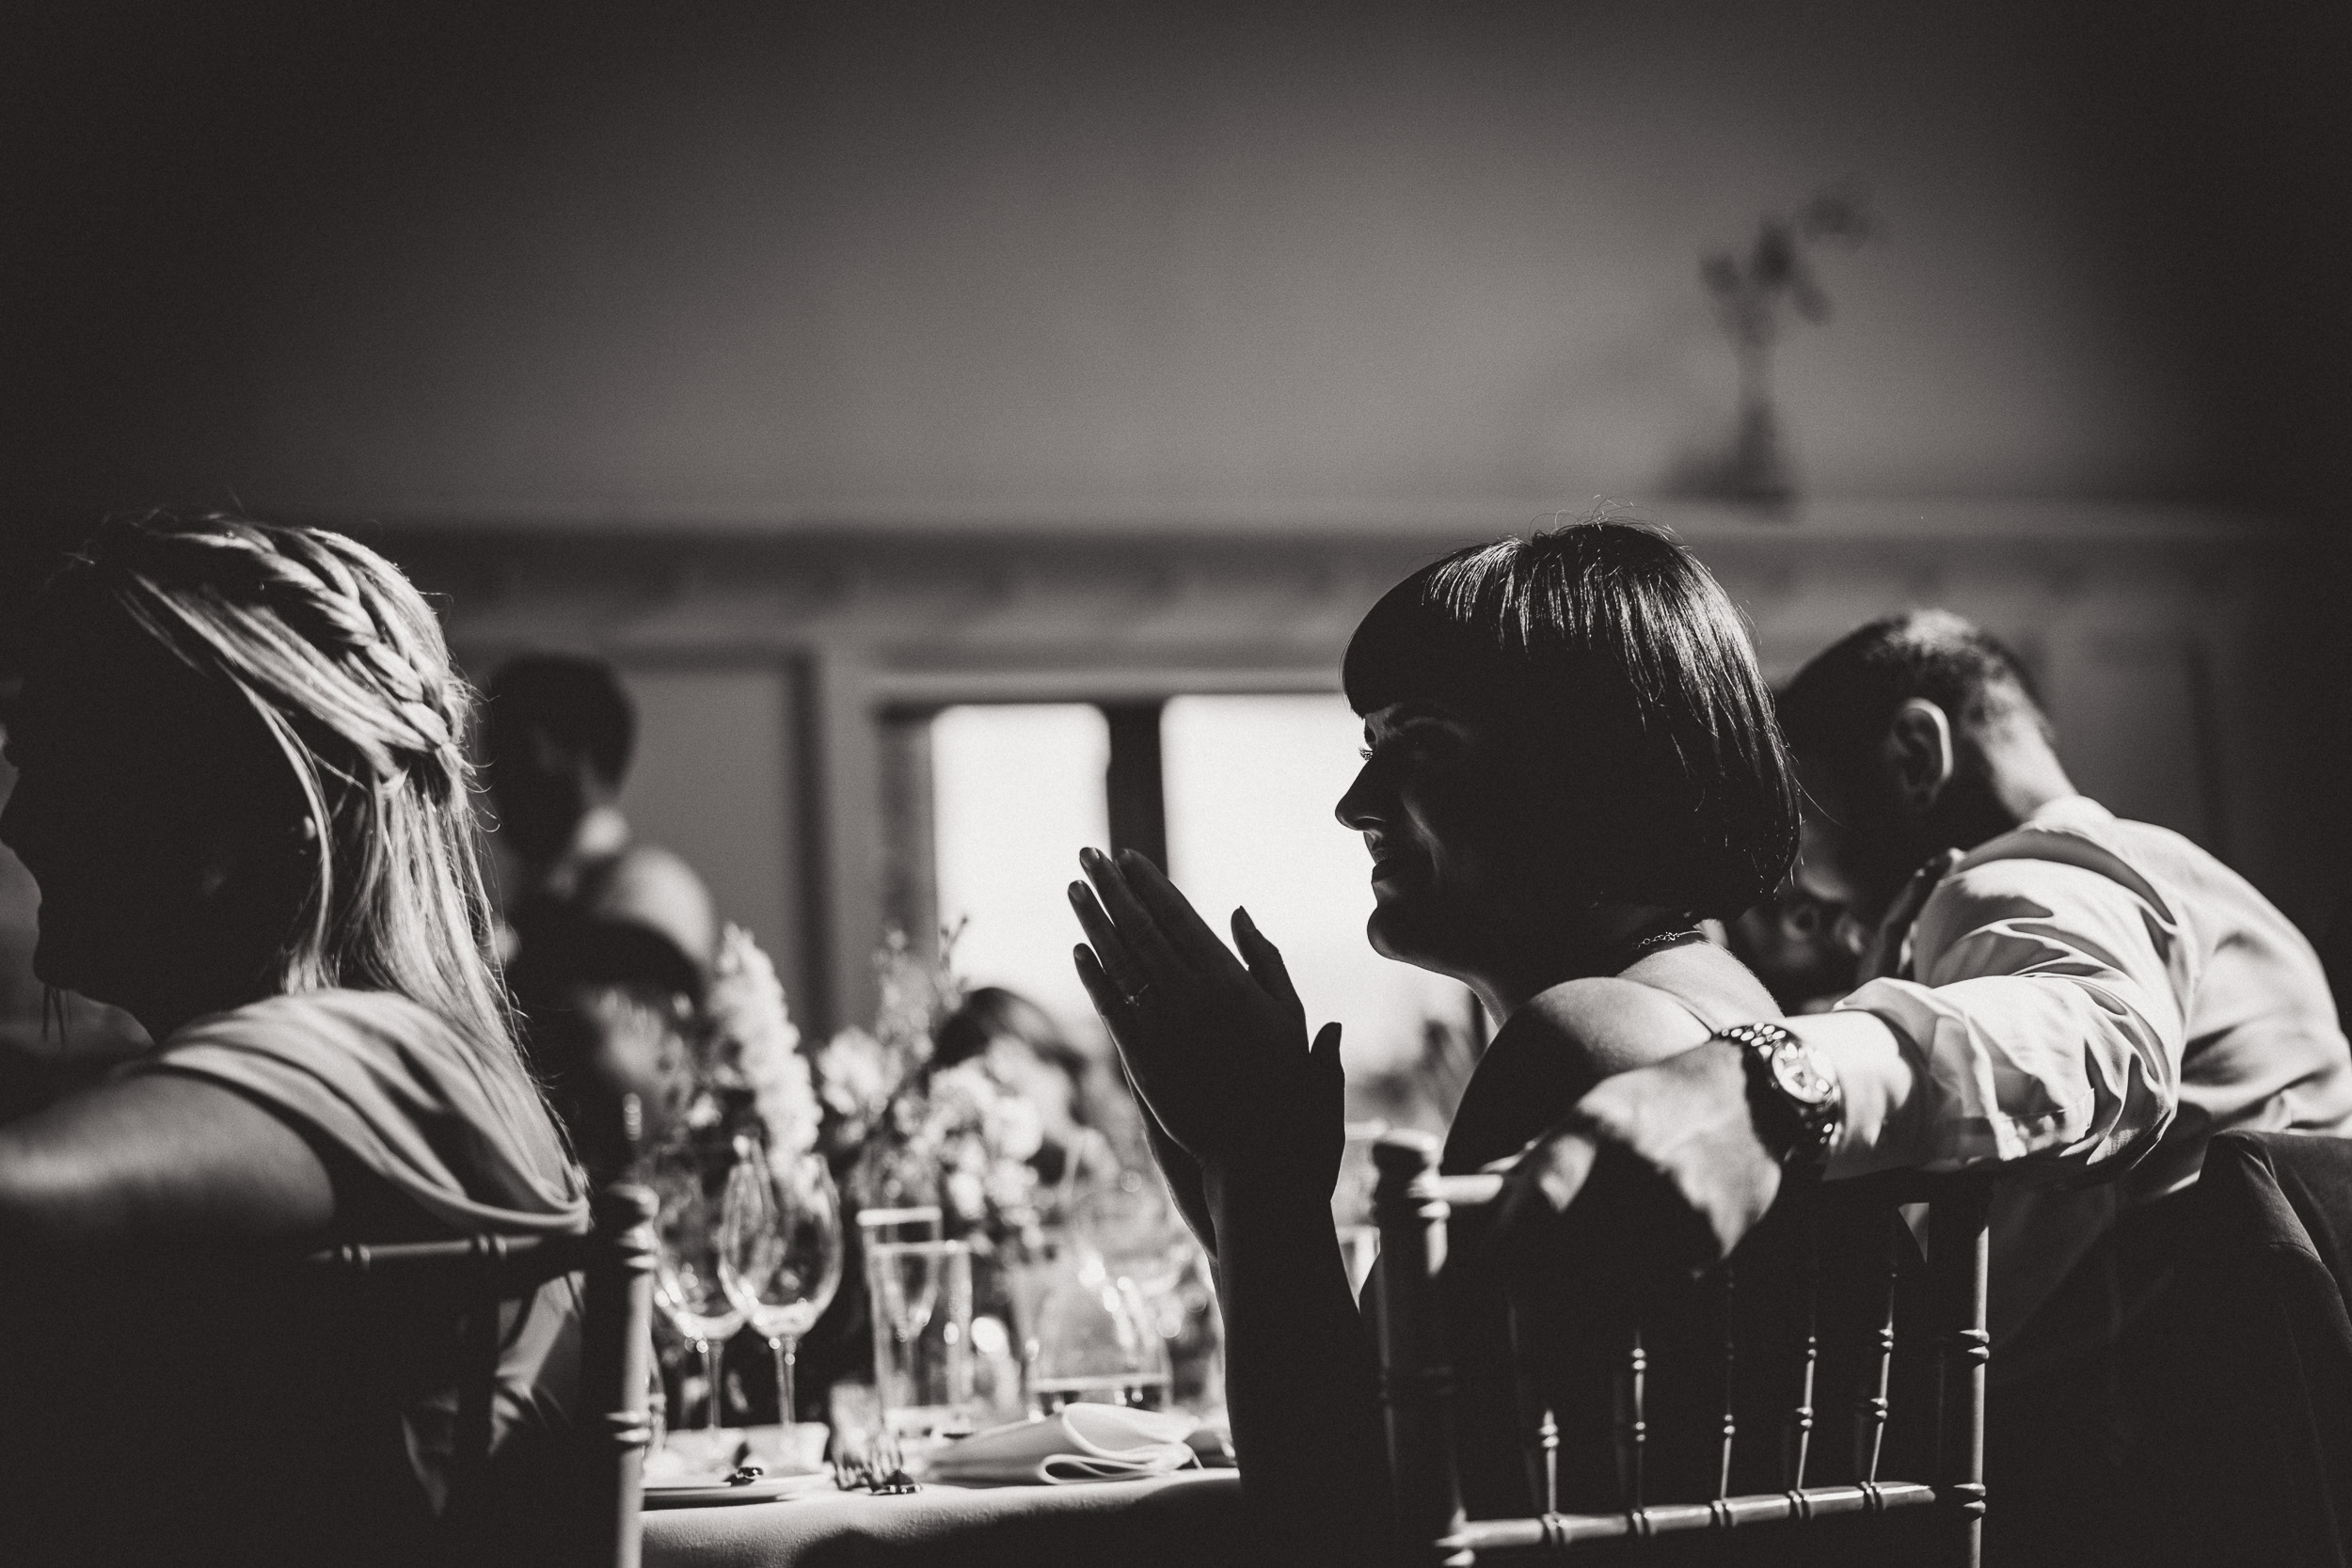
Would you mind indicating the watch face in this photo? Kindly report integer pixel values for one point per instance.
(1794, 1075)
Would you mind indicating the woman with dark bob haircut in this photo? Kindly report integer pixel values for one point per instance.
(1570, 760)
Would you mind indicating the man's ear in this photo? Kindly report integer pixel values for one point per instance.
(1918, 753)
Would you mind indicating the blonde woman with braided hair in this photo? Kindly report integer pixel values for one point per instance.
(242, 790)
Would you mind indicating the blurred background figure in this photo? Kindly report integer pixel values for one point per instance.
(1084, 1114)
(1793, 942)
(608, 942)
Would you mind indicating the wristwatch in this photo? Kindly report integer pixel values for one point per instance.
(1796, 1099)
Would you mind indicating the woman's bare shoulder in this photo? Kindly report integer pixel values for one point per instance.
(1567, 1039)
(1663, 1006)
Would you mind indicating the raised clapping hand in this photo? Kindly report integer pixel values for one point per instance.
(1215, 1048)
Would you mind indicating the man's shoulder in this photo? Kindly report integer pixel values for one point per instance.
(2077, 833)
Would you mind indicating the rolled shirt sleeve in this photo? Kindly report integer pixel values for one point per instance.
(2043, 1026)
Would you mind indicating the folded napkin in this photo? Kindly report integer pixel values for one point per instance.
(1084, 1442)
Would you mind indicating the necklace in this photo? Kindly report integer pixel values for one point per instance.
(1642, 947)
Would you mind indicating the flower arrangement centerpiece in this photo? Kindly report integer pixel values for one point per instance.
(748, 1077)
(904, 1130)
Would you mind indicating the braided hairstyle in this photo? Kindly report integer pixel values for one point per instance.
(343, 664)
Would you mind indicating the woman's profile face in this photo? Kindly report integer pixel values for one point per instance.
(118, 815)
(1436, 804)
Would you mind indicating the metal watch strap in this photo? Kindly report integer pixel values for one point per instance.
(1801, 1131)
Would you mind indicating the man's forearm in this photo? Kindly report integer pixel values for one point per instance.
(1882, 1091)
(2036, 1073)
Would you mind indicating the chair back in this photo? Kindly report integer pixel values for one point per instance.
(2246, 1443)
(1938, 1491)
(615, 1258)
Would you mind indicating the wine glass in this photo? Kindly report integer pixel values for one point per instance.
(780, 1251)
(687, 1283)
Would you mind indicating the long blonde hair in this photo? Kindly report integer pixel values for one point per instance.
(345, 667)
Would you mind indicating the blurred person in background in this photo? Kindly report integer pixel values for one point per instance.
(1025, 1051)
(1790, 940)
(243, 791)
(610, 940)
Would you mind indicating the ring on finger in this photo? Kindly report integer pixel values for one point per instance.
(1138, 996)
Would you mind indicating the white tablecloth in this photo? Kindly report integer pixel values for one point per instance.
(1192, 1519)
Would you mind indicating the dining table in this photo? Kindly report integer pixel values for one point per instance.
(1191, 1518)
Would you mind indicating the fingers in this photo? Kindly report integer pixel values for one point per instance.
(1323, 1066)
(1265, 963)
(1117, 962)
(1173, 913)
(1119, 1018)
(1141, 933)
(1104, 993)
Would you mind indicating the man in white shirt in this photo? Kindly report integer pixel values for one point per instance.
(2074, 1001)
(2079, 1001)
(2075, 997)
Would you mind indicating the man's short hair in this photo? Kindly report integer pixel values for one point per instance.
(577, 701)
(1839, 706)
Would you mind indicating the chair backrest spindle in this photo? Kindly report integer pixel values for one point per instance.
(1632, 1424)
(1417, 1375)
(1870, 1410)
(1959, 1256)
(1667, 1378)
(1797, 1447)
(616, 1366)
(1727, 1304)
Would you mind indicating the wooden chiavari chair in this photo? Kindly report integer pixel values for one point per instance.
(615, 1258)
(1937, 1497)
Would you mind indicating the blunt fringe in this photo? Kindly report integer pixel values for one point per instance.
(1655, 772)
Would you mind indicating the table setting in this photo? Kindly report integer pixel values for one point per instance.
(1045, 1360)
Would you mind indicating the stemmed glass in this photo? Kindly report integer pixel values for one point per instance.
(687, 1272)
(780, 1251)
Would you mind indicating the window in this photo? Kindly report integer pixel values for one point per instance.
(1017, 790)
(1251, 782)
(1248, 784)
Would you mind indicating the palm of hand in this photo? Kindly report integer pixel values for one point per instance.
(1216, 1050)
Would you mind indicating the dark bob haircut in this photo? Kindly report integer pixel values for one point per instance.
(1622, 678)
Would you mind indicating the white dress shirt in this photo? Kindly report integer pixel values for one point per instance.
(2086, 1001)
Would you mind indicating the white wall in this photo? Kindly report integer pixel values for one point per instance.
(767, 263)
